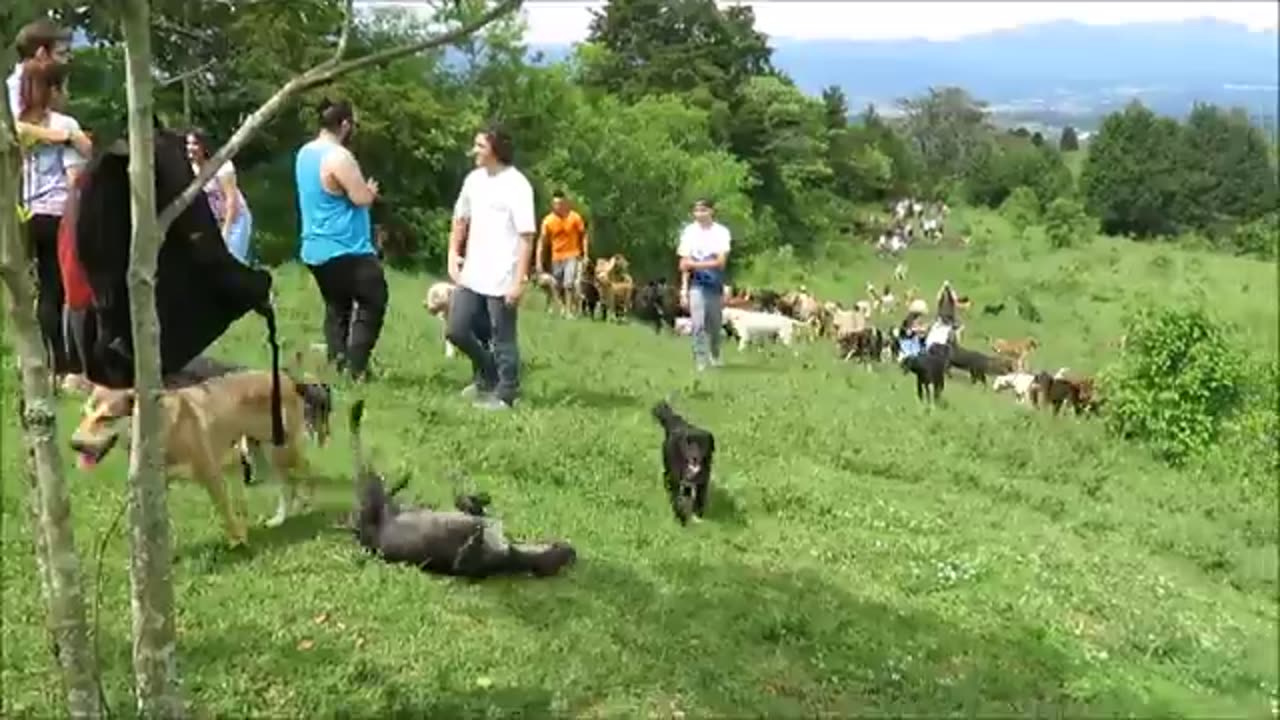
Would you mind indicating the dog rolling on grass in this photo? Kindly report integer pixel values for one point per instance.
(687, 452)
(437, 300)
(461, 542)
(202, 423)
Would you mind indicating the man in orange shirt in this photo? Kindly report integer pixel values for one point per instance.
(570, 247)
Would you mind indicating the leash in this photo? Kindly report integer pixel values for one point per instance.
(97, 602)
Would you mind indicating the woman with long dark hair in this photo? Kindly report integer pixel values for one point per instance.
(49, 172)
(225, 198)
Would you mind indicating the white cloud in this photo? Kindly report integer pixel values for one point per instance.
(565, 21)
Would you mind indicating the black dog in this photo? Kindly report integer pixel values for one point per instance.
(978, 365)
(993, 310)
(462, 543)
(930, 369)
(657, 303)
(687, 451)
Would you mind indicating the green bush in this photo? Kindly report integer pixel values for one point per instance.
(1260, 238)
(1021, 208)
(1066, 223)
(1178, 381)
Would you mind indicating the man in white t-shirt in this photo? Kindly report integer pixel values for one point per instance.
(703, 252)
(43, 41)
(493, 229)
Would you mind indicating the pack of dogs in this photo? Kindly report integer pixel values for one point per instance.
(214, 411)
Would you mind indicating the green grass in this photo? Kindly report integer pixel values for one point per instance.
(863, 555)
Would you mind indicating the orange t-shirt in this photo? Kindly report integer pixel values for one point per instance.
(565, 233)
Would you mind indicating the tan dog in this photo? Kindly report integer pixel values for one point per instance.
(1016, 350)
(437, 301)
(616, 285)
(201, 424)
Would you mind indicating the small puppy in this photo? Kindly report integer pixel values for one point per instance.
(437, 301)
(687, 452)
(546, 282)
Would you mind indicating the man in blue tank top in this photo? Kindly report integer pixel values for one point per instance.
(337, 246)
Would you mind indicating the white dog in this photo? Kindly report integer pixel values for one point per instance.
(751, 326)
(1020, 382)
(437, 301)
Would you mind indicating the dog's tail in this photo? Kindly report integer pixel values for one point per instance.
(357, 447)
(371, 510)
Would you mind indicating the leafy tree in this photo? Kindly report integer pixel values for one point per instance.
(837, 107)
(945, 127)
(1224, 171)
(637, 168)
(664, 46)
(1069, 142)
(1037, 139)
(1129, 180)
(1005, 163)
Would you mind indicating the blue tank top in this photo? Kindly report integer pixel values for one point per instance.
(332, 225)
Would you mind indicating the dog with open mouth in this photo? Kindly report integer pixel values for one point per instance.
(202, 423)
(687, 452)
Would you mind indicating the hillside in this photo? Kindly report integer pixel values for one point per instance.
(1055, 72)
(862, 555)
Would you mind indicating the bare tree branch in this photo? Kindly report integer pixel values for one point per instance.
(318, 76)
(348, 19)
(189, 73)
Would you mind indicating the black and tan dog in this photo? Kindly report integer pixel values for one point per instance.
(979, 365)
(462, 542)
(687, 452)
(201, 424)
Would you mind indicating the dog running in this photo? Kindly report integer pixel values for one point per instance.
(687, 452)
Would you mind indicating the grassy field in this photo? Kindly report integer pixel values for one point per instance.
(863, 555)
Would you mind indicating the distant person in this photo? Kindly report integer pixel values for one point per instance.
(566, 231)
(42, 41)
(225, 198)
(703, 252)
(337, 244)
(49, 171)
(494, 220)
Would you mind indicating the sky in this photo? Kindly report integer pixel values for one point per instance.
(565, 21)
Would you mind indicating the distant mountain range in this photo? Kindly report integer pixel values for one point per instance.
(1053, 73)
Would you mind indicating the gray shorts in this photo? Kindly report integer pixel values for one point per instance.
(565, 272)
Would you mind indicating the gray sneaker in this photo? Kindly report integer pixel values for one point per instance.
(489, 402)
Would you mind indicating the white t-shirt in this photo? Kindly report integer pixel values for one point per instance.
(13, 82)
(44, 170)
(500, 210)
(939, 334)
(700, 243)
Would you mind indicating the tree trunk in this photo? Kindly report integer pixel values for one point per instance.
(57, 563)
(151, 562)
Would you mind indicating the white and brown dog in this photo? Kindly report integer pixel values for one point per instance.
(439, 296)
(1019, 382)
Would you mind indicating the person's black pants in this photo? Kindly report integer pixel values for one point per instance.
(42, 244)
(355, 300)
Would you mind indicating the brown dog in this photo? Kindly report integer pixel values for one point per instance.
(1016, 350)
(201, 425)
(616, 285)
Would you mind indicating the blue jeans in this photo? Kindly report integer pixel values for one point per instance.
(475, 322)
(705, 313)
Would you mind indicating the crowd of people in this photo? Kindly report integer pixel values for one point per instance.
(491, 243)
